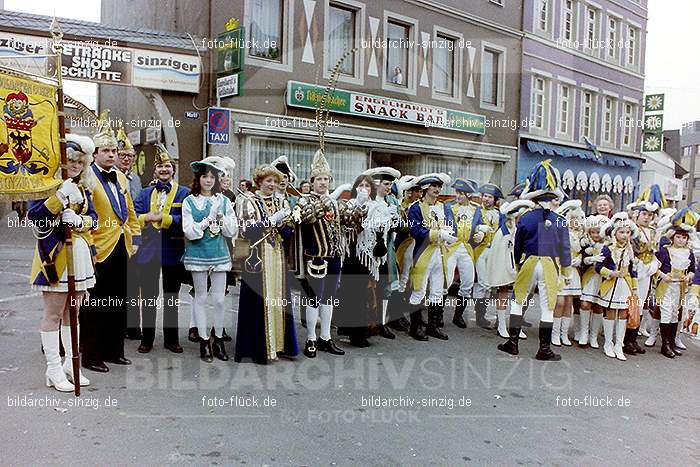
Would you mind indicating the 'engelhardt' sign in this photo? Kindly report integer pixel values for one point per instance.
(366, 105)
(101, 62)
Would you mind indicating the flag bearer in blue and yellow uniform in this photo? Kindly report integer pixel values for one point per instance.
(159, 210)
(433, 235)
(541, 239)
(463, 216)
(116, 237)
(71, 205)
(491, 218)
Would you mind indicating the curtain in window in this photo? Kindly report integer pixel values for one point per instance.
(346, 162)
(266, 28)
(481, 171)
(341, 33)
(397, 55)
(443, 59)
(489, 77)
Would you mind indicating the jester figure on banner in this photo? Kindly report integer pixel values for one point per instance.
(29, 147)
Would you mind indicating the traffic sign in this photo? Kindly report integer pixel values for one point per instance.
(219, 123)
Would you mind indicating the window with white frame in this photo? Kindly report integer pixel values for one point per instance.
(267, 29)
(564, 123)
(342, 22)
(587, 115)
(632, 46)
(397, 56)
(542, 15)
(444, 56)
(592, 30)
(628, 129)
(538, 104)
(492, 76)
(611, 45)
(568, 20)
(609, 121)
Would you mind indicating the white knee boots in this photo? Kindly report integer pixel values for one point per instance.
(54, 372)
(68, 363)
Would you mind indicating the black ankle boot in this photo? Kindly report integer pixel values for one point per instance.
(545, 352)
(458, 318)
(330, 347)
(417, 331)
(511, 345)
(433, 320)
(440, 321)
(666, 349)
(635, 345)
(673, 329)
(480, 313)
(205, 350)
(219, 349)
(628, 348)
(226, 337)
(193, 334)
(310, 349)
(385, 333)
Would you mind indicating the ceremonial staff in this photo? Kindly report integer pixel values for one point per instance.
(57, 46)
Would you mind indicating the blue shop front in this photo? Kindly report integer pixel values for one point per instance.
(584, 175)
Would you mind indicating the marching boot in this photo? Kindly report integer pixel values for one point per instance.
(666, 350)
(502, 329)
(358, 337)
(416, 330)
(480, 313)
(596, 323)
(330, 347)
(653, 333)
(556, 332)
(628, 347)
(635, 345)
(672, 336)
(545, 352)
(577, 327)
(193, 334)
(643, 327)
(310, 349)
(219, 349)
(440, 322)
(620, 330)
(565, 323)
(584, 320)
(511, 345)
(205, 350)
(385, 333)
(677, 342)
(68, 363)
(433, 323)
(225, 336)
(458, 318)
(54, 373)
(608, 329)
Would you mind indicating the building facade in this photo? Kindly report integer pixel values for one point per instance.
(690, 158)
(582, 94)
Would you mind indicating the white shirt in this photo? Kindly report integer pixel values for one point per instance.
(112, 186)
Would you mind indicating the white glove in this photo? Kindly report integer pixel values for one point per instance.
(576, 262)
(214, 211)
(446, 237)
(70, 192)
(479, 237)
(593, 259)
(362, 196)
(204, 223)
(71, 218)
(692, 302)
(279, 217)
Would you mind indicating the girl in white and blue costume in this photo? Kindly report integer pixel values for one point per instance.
(207, 218)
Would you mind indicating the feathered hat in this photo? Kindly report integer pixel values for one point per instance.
(517, 190)
(684, 220)
(123, 143)
(651, 199)
(571, 207)
(282, 164)
(338, 192)
(104, 136)
(428, 179)
(543, 183)
(515, 207)
(162, 156)
(319, 166)
(405, 183)
(383, 173)
(79, 148)
(617, 221)
(223, 165)
(491, 189)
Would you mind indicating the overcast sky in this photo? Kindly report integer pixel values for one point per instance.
(672, 53)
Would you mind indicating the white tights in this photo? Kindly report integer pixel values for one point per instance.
(199, 305)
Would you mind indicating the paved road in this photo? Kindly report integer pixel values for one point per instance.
(397, 402)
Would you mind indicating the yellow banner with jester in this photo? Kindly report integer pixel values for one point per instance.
(30, 153)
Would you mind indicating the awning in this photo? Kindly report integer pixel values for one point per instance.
(547, 149)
